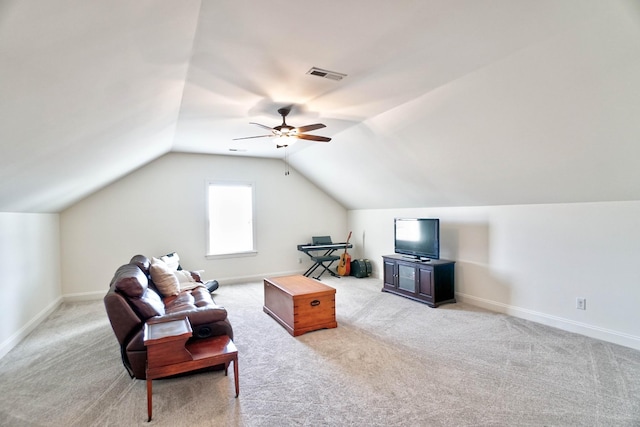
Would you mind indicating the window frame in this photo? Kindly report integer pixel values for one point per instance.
(251, 252)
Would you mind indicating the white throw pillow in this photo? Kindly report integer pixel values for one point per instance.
(172, 260)
(163, 277)
(184, 276)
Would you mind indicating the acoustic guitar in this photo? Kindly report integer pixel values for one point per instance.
(344, 266)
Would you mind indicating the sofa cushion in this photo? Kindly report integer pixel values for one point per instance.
(196, 304)
(202, 298)
(148, 305)
(130, 280)
(166, 282)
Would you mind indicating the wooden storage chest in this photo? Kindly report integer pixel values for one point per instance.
(300, 304)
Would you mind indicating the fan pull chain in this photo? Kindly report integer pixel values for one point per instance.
(286, 160)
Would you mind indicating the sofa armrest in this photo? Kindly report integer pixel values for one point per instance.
(211, 285)
(124, 321)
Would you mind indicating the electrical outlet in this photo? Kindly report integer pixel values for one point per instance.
(581, 303)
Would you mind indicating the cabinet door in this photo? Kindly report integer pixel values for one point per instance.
(389, 274)
(407, 278)
(426, 282)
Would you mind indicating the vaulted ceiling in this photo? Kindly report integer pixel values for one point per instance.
(445, 102)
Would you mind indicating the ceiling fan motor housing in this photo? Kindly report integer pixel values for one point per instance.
(284, 112)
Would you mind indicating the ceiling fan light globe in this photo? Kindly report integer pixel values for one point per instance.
(285, 141)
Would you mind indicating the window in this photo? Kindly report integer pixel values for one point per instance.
(231, 229)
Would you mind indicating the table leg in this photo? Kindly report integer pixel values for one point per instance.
(149, 403)
(235, 375)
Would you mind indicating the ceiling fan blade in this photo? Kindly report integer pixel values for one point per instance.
(262, 126)
(309, 128)
(314, 137)
(249, 137)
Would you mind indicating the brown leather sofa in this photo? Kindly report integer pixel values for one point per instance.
(133, 300)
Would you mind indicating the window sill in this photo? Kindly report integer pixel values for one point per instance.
(232, 255)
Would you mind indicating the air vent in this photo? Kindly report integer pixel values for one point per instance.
(331, 75)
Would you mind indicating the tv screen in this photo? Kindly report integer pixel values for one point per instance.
(417, 237)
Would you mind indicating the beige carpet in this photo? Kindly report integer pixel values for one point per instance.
(390, 362)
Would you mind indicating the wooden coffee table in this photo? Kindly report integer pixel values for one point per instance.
(300, 304)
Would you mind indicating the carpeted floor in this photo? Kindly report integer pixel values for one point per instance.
(390, 362)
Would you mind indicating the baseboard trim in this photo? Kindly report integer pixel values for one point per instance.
(84, 296)
(255, 277)
(569, 325)
(96, 295)
(20, 334)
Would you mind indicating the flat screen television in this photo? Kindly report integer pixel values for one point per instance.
(417, 237)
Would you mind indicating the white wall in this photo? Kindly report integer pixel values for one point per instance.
(29, 273)
(161, 208)
(532, 261)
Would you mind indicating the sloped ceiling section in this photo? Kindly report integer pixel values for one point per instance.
(445, 103)
(554, 121)
(89, 92)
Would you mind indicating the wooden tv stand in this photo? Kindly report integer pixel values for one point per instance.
(430, 282)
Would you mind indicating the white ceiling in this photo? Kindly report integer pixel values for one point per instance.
(445, 103)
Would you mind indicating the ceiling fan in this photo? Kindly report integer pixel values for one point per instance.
(286, 132)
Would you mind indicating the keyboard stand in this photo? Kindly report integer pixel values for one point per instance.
(325, 260)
